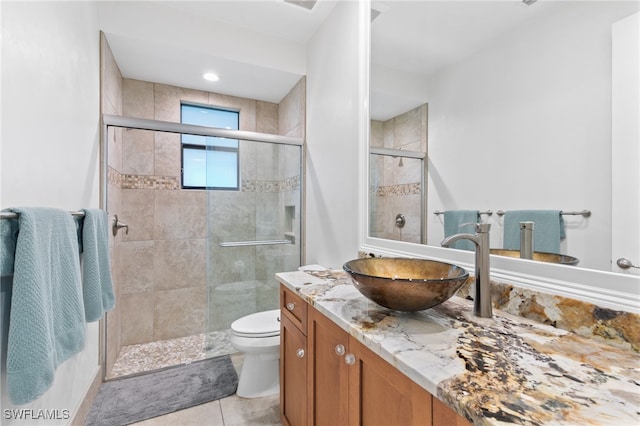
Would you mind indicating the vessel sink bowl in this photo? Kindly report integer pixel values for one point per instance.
(405, 284)
(539, 256)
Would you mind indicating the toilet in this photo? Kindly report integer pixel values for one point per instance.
(257, 336)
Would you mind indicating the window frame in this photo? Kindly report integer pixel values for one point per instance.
(186, 145)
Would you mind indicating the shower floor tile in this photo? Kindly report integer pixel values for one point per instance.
(134, 359)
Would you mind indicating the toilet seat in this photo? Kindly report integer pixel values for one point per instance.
(258, 325)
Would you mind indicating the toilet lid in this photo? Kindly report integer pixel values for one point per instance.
(260, 324)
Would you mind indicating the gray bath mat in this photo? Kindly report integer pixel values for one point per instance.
(130, 400)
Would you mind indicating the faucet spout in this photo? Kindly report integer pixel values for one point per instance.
(448, 242)
(482, 306)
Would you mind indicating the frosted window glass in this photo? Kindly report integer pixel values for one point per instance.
(194, 167)
(209, 162)
(222, 169)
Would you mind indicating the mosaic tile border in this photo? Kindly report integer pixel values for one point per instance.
(149, 182)
(400, 189)
(126, 181)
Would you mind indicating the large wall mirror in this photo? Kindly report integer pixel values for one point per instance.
(511, 105)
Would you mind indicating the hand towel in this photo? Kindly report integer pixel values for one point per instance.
(455, 222)
(97, 287)
(8, 237)
(46, 322)
(548, 229)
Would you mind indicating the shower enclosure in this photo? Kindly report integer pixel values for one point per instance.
(193, 260)
(397, 195)
(397, 176)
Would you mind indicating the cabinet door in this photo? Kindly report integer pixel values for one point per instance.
(328, 374)
(293, 374)
(382, 395)
(445, 416)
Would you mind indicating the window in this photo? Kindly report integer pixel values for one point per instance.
(209, 162)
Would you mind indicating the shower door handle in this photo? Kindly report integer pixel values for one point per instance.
(117, 225)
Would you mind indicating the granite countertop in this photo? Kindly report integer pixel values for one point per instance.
(505, 369)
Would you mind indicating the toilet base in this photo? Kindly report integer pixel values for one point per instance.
(259, 376)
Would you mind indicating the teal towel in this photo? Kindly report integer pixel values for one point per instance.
(8, 237)
(96, 272)
(455, 223)
(548, 229)
(46, 322)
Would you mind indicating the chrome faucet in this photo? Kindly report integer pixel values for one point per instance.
(482, 301)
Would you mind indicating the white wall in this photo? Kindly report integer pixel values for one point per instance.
(50, 141)
(332, 185)
(625, 205)
(526, 124)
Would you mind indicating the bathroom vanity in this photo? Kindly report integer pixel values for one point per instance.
(330, 378)
(347, 361)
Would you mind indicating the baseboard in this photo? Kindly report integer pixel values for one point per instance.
(85, 406)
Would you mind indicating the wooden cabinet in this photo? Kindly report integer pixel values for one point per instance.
(339, 381)
(293, 359)
(445, 416)
(381, 395)
(328, 374)
(293, 374)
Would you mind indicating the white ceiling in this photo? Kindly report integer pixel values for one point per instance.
(419, 37)
(259, 47)
(256, 47)
(413, 39)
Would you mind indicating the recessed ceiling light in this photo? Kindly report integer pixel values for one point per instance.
(209, 76)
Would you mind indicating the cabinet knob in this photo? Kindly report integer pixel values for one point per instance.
(350, 359)
(290, 306)
(300, 353)
(340, 350)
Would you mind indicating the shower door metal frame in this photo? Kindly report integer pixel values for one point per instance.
(395, 152)
(170, 127)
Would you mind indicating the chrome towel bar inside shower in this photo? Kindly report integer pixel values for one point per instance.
(253, 243)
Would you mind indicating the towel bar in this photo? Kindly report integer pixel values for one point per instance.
(489, 212)
(253, 243)
(12, 215)
(584, 213)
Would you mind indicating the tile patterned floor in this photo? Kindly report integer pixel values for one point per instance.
(150, 356)
(230, 411)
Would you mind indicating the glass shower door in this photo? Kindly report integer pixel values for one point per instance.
(253, 233)
(193, 260)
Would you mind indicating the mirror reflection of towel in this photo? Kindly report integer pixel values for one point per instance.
(548, 229)
(460, 221)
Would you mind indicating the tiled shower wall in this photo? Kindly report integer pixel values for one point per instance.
(394, 184)
(172, 274)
